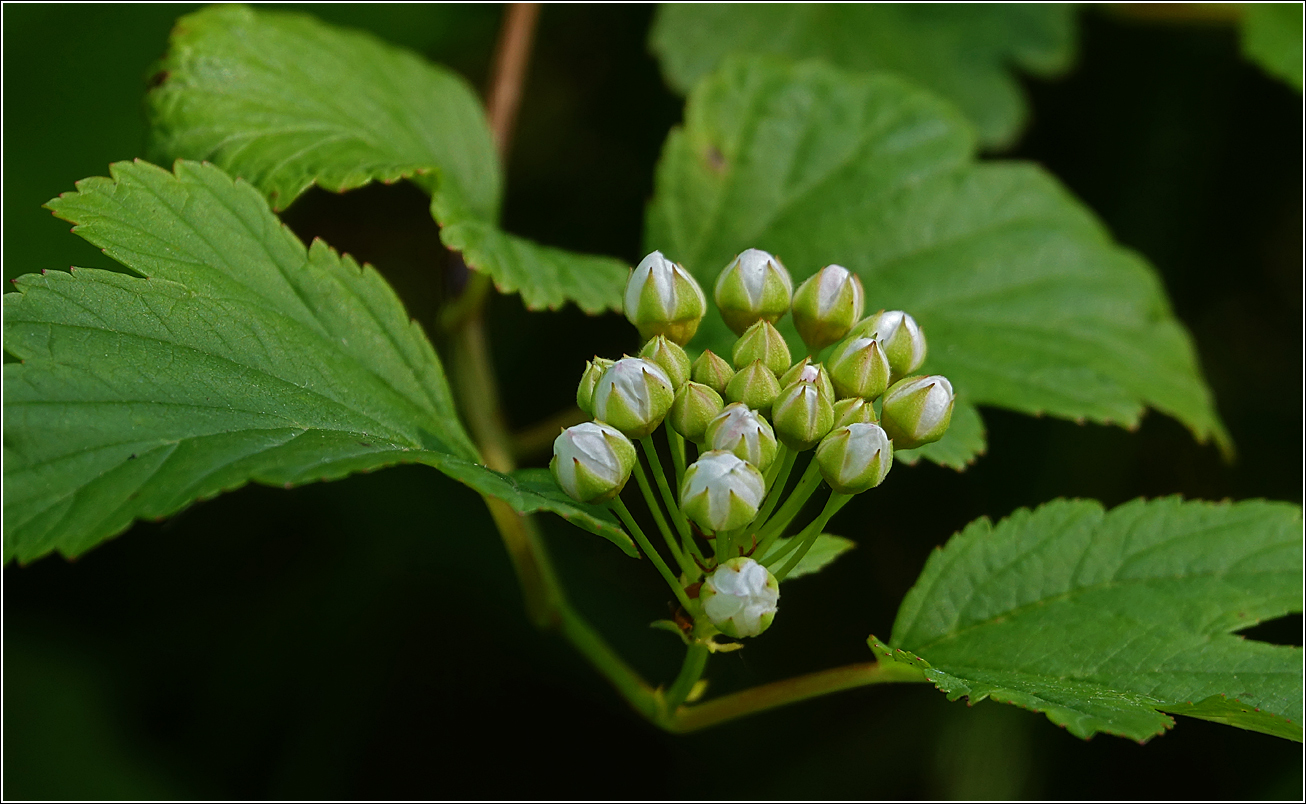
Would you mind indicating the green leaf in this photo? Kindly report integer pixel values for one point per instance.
(286, 102)
(1272, 37)
(1026, 301)
(964, 53)
(1107, 620)
(825, 550)
(240, 355)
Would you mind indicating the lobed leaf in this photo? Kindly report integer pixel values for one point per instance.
(1026, 301)
(285, 102)
(1107, 620)
(237, 354)
(965, 53)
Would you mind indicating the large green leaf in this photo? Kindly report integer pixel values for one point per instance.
(236, 355)
(964, 53)
(286, 102)
(1106, 620)
(1026, 301)
(1272, 37)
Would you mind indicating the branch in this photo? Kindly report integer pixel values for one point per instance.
(511, 56)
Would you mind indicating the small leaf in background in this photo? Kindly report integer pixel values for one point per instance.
(1106, 620)
(965, 53)
(1025, 300)
(825, 550)
(285, 102)
(1272, 37)
(237, 355)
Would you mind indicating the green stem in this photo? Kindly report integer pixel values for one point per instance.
(777, 485)
(653, 506)
(677, 444)
(791, 690)
(677, 516)
(647, 547)
(807, 484)
(690, 672)
(812, 531)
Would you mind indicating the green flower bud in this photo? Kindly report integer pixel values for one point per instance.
(669, 357)
(852, 410)
(694, 406)
(740, 597)
(859, 367)
(633, 395)
(713, 371)
(585, 391)
(917, 410)
(802, 415)
(900, 338)
(762, 342)
(743, 432)
(754, 287)
(721, 492)
(592, 461)
(855, 458)
(827, 305)
(755, 386)
(807, 371)
(663, 299)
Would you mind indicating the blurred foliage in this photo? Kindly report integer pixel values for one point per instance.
(274, 643)
(1272, 37)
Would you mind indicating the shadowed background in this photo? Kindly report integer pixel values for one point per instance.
(365, 638)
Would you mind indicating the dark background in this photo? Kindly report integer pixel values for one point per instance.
(365, 638)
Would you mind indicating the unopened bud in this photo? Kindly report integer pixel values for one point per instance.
(663, 299)
(755, 386)
(763, 342)
(858, 367)
(713, 371)
(633, 395)
(669, 357)
(695, 405)
(855, 458)
(588, 381)
(740, 597)
(853, 410)
(745, 433)
(721, 491)
(754, 287)
(802, 415)
(592, 461)
(900, 338)
(807, 371)
(827, 305)
(917, 410)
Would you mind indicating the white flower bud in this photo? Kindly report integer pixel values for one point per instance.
(900, 337)
(663, 299)
(740, 597)
(633, 395)
(802, 415)
(592, 461)
(721, 492)
(827, 305)
(917, 410)
(855, 458)
(745, 433)
(754, 287)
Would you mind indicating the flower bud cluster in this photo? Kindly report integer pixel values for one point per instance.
(746, 412)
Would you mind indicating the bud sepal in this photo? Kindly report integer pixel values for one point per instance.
(755, 386)
(855, 457)
(693, 408)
